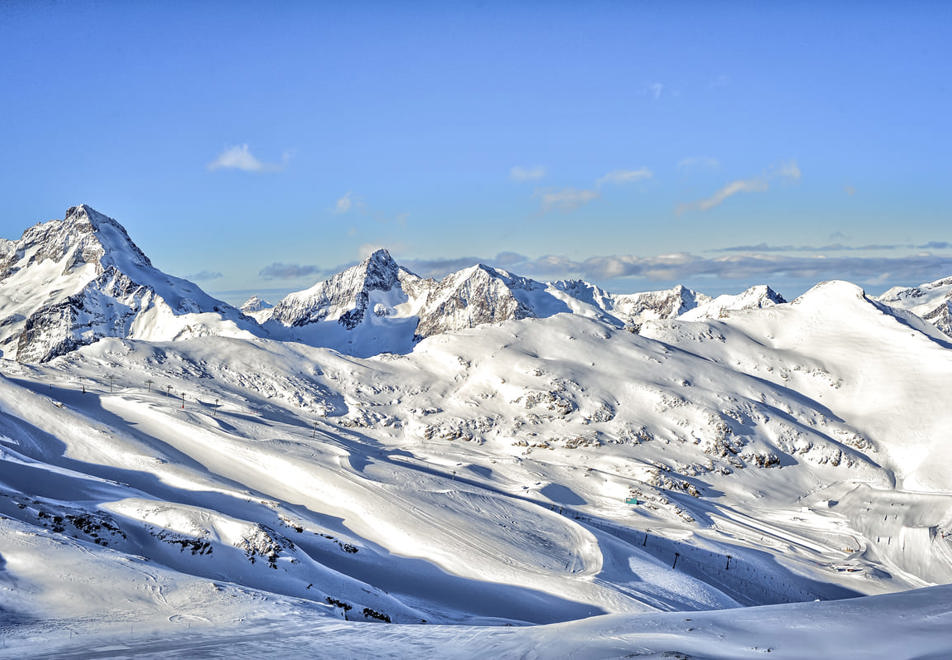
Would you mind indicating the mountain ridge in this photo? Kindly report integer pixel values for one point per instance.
(66, 283)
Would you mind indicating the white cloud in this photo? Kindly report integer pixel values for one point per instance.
(655, 89)
(204, 275)
(344, 204)
(239, 157)
(625, 176)
(682, 266)
(282, 271)
(527, 173)
(566, 199)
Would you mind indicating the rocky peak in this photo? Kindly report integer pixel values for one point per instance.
(255, 304)
(344, 296)
(84, 236)
(68, 283)
(473, 296)
(637, 308)
(380, 272)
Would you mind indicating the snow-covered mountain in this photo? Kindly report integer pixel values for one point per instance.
(756, 297)
(257, 308)
(535, 470)
(931, 301)
(378, 306)
(67, 283)
(498, 458)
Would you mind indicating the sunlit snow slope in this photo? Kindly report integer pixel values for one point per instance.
(545, 469)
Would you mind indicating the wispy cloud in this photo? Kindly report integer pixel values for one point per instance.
(239, 157)
(566, 199)
(787, 170)
(625, 176)
(655, 90)
(731, 189)
(836, 247)
(692, 163)
(920, 267)
(527, 173)
(683, 266)
(204, 275)
(281, 271)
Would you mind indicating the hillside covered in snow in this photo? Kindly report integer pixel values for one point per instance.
(487, 463)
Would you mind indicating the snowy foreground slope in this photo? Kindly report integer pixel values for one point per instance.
(553, 483)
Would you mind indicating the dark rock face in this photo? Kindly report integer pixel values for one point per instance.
(941, 316)
(48, 332)
(106, 307)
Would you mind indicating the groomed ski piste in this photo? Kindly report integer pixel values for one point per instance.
(766, 479)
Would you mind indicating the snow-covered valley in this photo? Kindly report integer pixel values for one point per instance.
(491, 465)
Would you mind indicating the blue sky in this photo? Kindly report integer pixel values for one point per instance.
(257, 148)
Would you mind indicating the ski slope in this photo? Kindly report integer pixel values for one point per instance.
(481, 465)
(479, 480)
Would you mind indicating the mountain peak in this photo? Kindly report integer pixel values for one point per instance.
(379, 264)
(101, 238)
(73, 281)
(83, 237)
(86, 213)
(379, 256)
